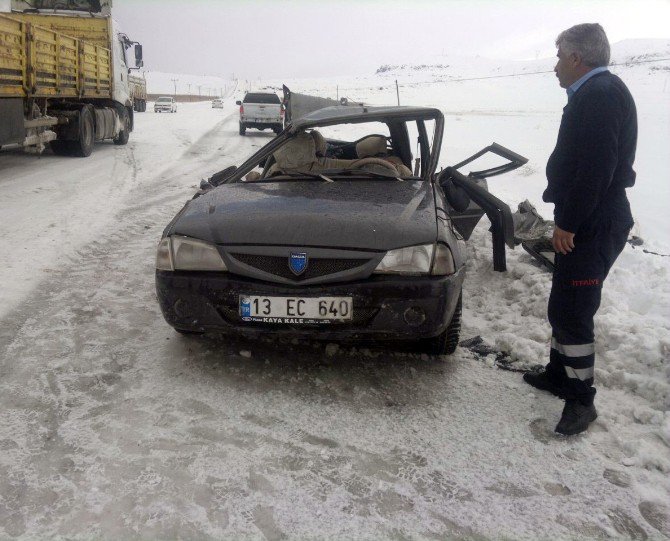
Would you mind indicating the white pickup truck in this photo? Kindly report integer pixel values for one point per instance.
(165, 104)
(261, 110)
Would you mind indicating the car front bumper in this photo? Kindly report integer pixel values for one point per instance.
(202, 302)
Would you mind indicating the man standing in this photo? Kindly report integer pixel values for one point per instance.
(588, 173)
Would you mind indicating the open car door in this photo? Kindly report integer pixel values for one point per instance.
(469, 199)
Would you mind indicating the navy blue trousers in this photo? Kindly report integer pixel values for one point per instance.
(574, 300)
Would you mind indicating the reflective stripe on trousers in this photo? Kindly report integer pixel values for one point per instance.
(577, 359)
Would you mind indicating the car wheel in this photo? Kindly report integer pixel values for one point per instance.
(189, 333)
(243, 129)
(124, 134)
(446, 342)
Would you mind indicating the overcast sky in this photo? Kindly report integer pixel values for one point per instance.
(311, 38)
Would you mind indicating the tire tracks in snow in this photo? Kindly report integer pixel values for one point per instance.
(111, 418)
(142, 204)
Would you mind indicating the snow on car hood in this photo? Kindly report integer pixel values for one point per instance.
(362, 214)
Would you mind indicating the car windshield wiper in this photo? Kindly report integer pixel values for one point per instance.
(362, 172)
(317, 176)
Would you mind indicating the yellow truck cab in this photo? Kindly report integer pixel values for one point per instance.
(65, 76)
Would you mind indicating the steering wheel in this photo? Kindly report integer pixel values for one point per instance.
(360, 164)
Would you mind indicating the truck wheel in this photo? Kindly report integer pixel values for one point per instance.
(243, 129)
(84, 145)
(124, 134)
(61, 148)
(446, 342)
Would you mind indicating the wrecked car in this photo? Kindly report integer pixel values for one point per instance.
(320, 234)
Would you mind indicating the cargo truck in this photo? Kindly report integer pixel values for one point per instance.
(138, 93)
(64, 75)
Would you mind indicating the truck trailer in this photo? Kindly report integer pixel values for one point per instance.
(138, 93)
(64, 76)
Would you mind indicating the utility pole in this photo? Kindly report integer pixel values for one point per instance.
(199, 87)
(175, 86)
(397, 91)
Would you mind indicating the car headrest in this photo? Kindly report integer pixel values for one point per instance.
(298, 153)
(371, 146)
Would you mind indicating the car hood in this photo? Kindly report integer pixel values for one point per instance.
(360, 214)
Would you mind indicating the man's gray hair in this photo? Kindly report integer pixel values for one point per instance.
(589, 41)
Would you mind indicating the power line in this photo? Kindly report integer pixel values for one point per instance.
(406, 85)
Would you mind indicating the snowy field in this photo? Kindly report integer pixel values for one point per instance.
(113, 426)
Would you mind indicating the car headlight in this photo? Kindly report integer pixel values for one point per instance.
(434, 259)
(411, 260)
(164, 255)
(184, 253)
(443, 264)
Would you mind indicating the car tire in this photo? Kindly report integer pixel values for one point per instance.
(188, 333)
(124, 134)
(446, 342)
(243, 129)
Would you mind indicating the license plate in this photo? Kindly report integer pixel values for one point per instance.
(295, 309)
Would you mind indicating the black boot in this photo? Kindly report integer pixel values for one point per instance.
(544, 381)
(576, 417)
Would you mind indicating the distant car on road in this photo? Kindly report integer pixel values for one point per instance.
(333, 239)
(217, 103)
(165, 104)
(261, 110)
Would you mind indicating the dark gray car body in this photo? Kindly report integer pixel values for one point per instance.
(345, 225)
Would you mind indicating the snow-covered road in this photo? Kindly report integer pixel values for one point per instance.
(113, 426)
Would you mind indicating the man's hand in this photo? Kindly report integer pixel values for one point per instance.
(563, 241)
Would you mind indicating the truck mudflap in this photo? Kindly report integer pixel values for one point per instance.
(470, 200)
(12, 129)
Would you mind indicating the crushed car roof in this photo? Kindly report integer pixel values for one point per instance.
(344, 114)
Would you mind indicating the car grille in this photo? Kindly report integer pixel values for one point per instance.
(316, 267)
(362, 316)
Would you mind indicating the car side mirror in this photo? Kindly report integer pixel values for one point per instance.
(238, 102)
(217, 178)
(456, 196)
(138, 55)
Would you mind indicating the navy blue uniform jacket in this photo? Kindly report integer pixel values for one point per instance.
(592, 164)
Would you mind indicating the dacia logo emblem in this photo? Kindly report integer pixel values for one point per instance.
(297, 262)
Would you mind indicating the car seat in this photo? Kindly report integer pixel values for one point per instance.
(374, 146)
